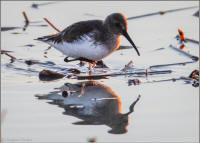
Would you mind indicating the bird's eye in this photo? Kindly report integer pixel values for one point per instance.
(117, 25)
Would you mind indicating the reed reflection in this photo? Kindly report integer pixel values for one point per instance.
(93, 103)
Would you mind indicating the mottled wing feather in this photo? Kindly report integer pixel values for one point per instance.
(75, 31)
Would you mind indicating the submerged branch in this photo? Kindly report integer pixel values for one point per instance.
(194, 58)
(119, 74)
(161, 12)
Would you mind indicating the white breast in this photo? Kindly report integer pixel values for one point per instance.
(84, 48)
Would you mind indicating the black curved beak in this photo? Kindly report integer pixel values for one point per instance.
(130, 40)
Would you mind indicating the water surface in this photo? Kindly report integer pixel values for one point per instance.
(166, 111)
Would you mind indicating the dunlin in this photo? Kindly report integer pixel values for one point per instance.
(91, 40)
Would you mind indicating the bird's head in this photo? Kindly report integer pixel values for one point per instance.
(116, 23)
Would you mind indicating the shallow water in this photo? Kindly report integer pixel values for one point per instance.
(167, 111)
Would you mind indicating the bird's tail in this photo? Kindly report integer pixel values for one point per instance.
(45, 38)
(50, 38)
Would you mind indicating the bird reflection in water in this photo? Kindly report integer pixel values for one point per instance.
(93, 103)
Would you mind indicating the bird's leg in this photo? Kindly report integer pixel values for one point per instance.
(90, 69)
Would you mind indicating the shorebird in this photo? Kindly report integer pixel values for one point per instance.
(91, 40)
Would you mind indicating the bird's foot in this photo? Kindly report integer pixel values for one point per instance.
(100, 64)
(86, 60)
(66, 59)
(79, 59)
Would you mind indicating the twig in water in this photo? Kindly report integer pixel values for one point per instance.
(188, 40)
(191, 40)
(6, 53)
(26, 17)
(51, 24)
(130, 64)
(121, 47)
(118, 74)
(8, 28)
(52, 27)
(174, 64)
(190, 80)
(161, 12)
(181, 34)
(35, 5)
(27, 21)
(182, 47)
(194, 58)
(184, 39)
